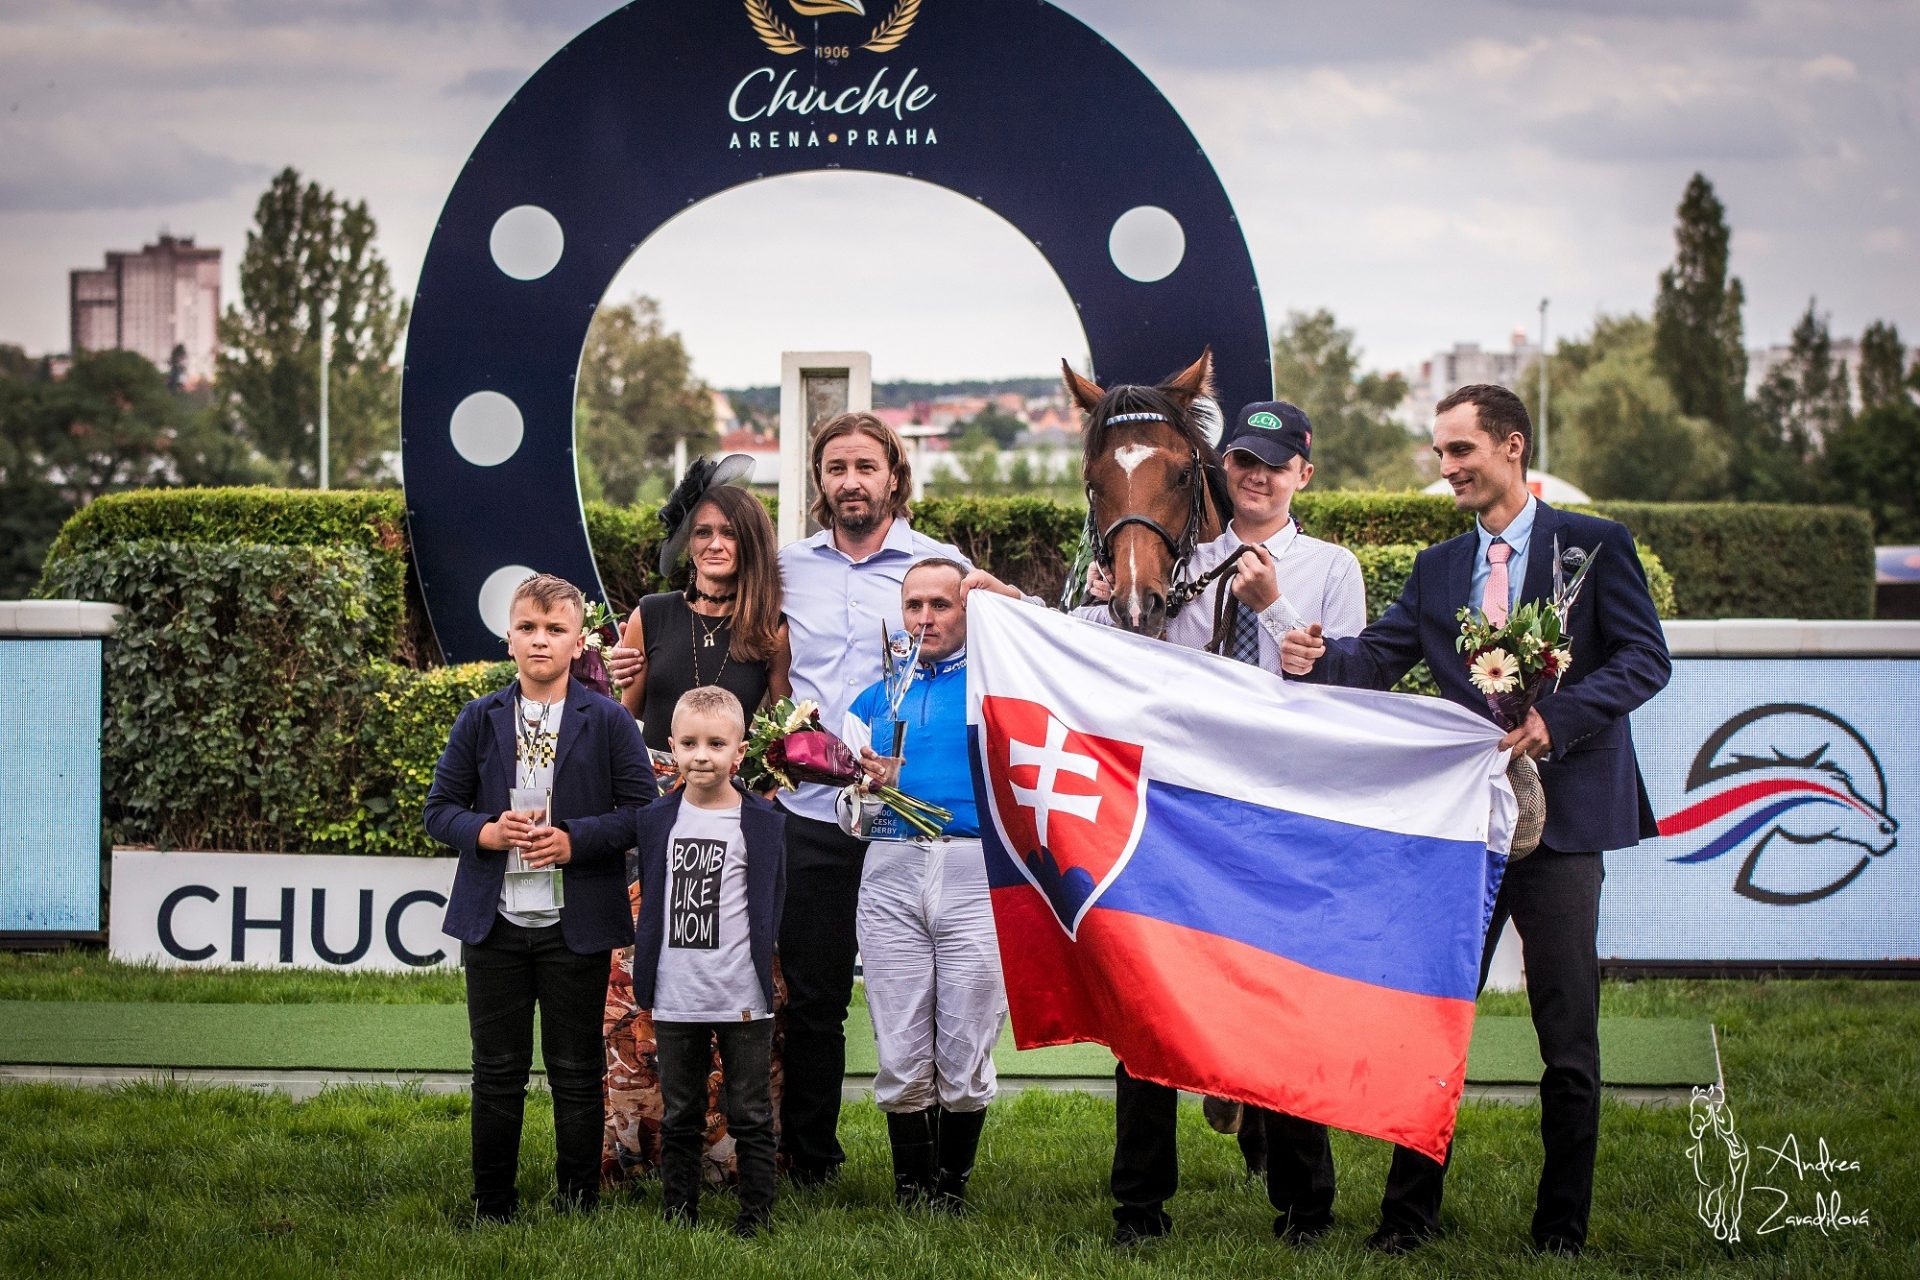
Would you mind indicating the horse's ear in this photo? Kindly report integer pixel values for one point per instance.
(1085, 393)
(1192, 382)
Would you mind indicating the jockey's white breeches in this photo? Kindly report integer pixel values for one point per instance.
(932, 965)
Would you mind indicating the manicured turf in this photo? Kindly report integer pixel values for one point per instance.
(79, 1008)
(154, 1182)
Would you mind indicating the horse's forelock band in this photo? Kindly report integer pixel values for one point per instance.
(1139, 417)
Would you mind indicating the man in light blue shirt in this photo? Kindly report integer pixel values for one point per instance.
(1517, 534)
(842, 595)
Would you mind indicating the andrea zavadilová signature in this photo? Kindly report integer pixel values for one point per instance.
(1736, 1182)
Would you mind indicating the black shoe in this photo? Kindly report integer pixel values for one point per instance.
(681, 1215)
(1394, 1242)
(1558, 1247)
(493, 1217)
(911, 1134)
(1298, 1233)
(811, 1177)
(749, 1225)
(582, 1203)
(959, 1143)
(1129, 1232)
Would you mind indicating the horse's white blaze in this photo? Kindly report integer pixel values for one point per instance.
(1129, 456)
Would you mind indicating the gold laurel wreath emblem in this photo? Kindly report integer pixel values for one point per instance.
(773, 33)
(887, 36)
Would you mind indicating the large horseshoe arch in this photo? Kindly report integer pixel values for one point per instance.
(665, 103)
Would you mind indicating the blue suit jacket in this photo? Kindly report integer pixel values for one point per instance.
(764, 829)
(1596, 798)
(601, 778)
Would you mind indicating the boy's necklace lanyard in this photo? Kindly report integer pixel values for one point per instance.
(528, 730)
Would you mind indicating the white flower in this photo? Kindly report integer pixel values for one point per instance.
(1495, 671)
(803, 711)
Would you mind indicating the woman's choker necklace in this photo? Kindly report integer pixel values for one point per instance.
(695, 595)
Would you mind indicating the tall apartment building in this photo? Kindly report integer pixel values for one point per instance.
(164, 296)
(1466, 363)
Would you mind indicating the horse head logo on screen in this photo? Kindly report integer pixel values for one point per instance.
(1799, 791)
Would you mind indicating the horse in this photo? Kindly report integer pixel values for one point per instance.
(1155, 488)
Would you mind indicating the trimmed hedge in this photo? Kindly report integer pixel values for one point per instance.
(233, 678)
(1726, 558)
(373, 520)
(1755, 560)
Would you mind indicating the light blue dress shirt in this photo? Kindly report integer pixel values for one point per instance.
(837, 608)
(1516, 535)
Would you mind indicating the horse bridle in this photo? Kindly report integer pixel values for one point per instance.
(1100, 541)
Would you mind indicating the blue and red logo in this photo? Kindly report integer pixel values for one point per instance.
(1069, 806)
(1799, 790)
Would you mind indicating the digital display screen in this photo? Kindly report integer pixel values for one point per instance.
(1788, 794)
(50, 786)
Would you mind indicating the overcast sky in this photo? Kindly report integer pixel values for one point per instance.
(1426, 170)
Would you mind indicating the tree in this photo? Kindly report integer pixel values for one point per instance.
(1883, 372)
(110, 424)
(311, 257)
(1801, 403)
(1003, 427)
(1696, 317)
(1356, 444)
(637, 397)
(1874, 462)
(1618, 430)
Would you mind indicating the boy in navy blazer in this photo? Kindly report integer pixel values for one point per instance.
(523, 943)
(1596, 799)
(713, 881)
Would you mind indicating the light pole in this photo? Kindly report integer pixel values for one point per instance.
(326, 352)
(1543, 384)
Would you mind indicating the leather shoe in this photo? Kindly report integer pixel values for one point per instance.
(1300, 1234)
(1394, 1242)
(1558, 1247)
(1136, 1231)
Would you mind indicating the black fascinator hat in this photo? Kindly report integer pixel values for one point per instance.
(704, 474)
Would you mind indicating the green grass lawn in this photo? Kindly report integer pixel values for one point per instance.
(150, 1181)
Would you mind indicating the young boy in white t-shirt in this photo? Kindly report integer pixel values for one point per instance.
(713, 880)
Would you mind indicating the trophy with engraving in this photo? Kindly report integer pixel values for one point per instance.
(532, 889)
(899, 653)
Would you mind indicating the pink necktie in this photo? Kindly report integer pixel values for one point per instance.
(1494, 602)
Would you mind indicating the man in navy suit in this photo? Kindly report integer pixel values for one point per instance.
(1595, 797)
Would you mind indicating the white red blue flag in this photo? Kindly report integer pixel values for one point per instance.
(1245, 887)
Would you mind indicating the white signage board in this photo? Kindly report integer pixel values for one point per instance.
(275, 910)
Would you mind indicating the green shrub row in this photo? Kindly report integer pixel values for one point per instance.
(1727, 559)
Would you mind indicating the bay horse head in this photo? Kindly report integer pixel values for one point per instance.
(1154, 488)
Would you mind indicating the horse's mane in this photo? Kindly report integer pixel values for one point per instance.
(1129, 398)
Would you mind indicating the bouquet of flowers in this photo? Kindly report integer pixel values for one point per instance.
(787, 745)
(1528, 655)
(603, 632)
(1516, 662)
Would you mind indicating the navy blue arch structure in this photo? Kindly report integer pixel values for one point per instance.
(1012, 103)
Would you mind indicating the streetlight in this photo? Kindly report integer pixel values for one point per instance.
(1543, 385)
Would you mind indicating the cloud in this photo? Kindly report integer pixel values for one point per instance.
(70, 167)
(489, 82)
(1697, 131)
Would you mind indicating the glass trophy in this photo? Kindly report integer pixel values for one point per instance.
(532, 889)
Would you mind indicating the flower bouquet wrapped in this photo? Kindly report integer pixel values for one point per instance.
(787, 745)
(1513, 664)
(603, 632)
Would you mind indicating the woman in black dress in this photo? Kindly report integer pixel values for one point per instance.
(724, 629)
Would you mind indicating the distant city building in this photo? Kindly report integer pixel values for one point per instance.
(1465, 364)
(1762, 361)
(165, 296)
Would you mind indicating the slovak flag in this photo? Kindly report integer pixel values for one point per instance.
(1244, 887)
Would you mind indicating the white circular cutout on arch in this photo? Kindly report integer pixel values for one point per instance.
(526, 242)
(487, 428)
(496, 596)
(1146, 243)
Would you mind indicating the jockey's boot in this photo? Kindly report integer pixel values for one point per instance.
(911, 1133)
(959, 1142)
